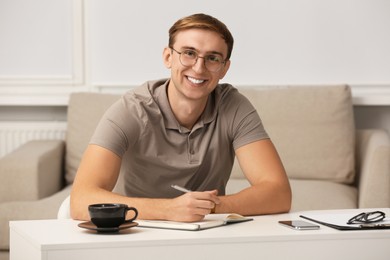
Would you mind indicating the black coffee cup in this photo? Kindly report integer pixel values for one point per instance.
(110, 215)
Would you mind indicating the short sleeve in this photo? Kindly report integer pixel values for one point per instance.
(119, 127)
(244, 123)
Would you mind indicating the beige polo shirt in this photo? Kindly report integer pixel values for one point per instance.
(157, 151)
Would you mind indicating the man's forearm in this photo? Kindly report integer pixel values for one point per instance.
(257, 200)
(147, 208)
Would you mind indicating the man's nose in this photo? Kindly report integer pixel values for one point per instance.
(199, 65)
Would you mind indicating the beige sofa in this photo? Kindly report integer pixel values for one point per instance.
(329, 163)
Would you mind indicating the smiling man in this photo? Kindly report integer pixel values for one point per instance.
(185, 130)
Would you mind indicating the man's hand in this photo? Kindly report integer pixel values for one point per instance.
(193, 206)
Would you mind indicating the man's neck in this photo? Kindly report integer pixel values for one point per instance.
(187, 112)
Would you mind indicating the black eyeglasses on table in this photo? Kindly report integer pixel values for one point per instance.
(367, 217)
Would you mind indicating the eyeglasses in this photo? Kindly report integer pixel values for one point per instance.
(212, 62)
(366, 218)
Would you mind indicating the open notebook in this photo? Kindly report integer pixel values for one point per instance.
(210, 221)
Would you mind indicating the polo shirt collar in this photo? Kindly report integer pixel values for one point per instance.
(161, 97)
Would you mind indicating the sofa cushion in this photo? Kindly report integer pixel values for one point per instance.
(318, 195)
(84, 113)
(312, 129)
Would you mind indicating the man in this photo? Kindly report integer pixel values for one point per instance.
(185, 130)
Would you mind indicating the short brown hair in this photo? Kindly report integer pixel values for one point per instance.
(202, 21)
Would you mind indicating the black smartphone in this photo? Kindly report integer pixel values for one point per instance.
(299, 224)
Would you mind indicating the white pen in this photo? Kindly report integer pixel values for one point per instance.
(177, 187)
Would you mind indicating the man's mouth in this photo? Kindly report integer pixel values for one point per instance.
(195, 81)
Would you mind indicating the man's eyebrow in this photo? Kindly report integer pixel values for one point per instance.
(194, 49)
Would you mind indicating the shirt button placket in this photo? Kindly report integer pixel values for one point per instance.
(189, 148)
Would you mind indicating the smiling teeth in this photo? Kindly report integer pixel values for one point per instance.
(196, 81)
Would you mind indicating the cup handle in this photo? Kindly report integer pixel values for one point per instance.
(135, 213)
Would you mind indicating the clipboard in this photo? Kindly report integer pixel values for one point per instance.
(352, 227)
(339, 221)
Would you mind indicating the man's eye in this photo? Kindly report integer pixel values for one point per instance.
(214, 58)
(190, 54)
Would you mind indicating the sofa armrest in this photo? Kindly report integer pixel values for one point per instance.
(373, 168)
(46, 208)
(33, 171)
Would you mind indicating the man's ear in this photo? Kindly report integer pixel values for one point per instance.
(167, 57)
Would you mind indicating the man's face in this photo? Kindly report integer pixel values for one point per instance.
(195, 82)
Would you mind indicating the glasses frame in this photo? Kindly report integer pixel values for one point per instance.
(222, 63)
(367, 218)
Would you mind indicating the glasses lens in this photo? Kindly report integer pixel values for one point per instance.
(188, 58)
(374, 216)
(213, 62)
(356, 219)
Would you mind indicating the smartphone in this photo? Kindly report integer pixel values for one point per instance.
(299, 224)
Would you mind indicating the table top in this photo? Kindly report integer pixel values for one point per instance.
(64, 233)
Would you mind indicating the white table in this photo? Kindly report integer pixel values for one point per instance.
(262, 238)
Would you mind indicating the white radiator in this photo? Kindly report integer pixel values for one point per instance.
(14, 134)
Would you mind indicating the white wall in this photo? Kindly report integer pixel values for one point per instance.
(35, 38)
(276, 41)
(39, 45)
(83, 44)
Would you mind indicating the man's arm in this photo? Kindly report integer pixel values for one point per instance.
(97, 176)
(270, 190)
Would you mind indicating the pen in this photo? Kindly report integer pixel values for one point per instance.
(177, 187)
